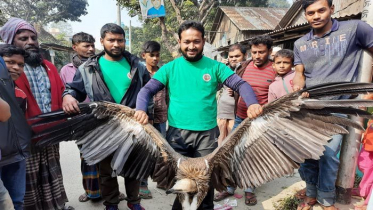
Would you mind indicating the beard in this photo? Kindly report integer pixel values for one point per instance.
(197, 57)
(107, 51)
(34, 58)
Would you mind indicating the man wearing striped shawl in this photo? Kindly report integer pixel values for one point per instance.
(43, 87)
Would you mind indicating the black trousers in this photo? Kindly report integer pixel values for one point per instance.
(110, 187)
(194, 144)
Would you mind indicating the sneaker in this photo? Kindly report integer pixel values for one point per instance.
(136, 206)
(111, 207)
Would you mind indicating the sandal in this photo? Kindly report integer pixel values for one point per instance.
(250, 199)
(334, 208)
(304, 205)
(145, 193)
(66, 207)
(222, 195)
(83, 198)
(301, 194)
(355, 192)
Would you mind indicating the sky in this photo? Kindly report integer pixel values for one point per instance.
(101, 12)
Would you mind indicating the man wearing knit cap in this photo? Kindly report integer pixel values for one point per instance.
(43, 87)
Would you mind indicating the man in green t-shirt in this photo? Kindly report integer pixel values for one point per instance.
(117, 76)
(192, 82)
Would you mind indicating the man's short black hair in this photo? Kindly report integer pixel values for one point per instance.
(8, 50)
(237, 47)
(111, 28)
(191, 24)
(285, 53)
(151, 46)
(306, 3)
(262, 39)
(82, 37)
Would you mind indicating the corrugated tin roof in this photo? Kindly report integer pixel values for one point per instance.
(286, 19)
(342, 8)
(306, 24)
(254, 18)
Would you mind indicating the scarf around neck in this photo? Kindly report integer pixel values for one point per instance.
(77, 61)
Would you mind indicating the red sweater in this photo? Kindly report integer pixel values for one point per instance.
(259, 79)
(57, 89)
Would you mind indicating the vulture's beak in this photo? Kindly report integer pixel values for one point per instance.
(183, 186)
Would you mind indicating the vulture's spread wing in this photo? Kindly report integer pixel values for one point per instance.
(103, 129)
(289, 131)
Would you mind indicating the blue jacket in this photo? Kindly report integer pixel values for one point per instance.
(15, 134)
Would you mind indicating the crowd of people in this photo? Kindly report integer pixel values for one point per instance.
(201, 100)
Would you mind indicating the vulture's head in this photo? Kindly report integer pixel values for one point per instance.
(192, 183)
(190, 194)
(184, 186)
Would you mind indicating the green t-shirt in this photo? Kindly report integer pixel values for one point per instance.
(192, 89)
(117, 76)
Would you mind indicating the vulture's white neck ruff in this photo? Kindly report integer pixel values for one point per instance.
(189, 206)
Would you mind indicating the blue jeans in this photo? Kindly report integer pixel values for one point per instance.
(320, 175)
(14, 178)
(231, 190)
(5, 200)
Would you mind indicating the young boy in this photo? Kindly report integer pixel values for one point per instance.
(14, 58)
(151, 55)
(283, 84)
(13, 167)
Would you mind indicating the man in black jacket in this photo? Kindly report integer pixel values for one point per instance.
(15, 142)
(114, 75)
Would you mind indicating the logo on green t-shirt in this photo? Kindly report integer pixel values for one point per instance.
(206, 77)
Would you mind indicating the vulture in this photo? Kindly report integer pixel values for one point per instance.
(289, 131)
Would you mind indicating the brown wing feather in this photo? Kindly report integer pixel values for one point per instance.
(289, 131)
(135, 148)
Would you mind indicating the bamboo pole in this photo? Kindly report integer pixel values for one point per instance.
(351, 144)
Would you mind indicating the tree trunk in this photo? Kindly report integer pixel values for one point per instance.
(170, 47)
(177, 11)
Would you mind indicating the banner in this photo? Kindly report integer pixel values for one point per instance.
(152, 8)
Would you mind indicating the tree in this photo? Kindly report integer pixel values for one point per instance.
(278, 3)
(37, 11)
(147, 32)
(180, 10)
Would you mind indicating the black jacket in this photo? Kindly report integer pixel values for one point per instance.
(88, 80)
(15, 134)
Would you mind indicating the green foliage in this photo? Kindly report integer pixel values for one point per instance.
(189, 10)
(288, 203)
(143, 34)
(62, 58)
(44, 11)
(278, 3)
(357, 181)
